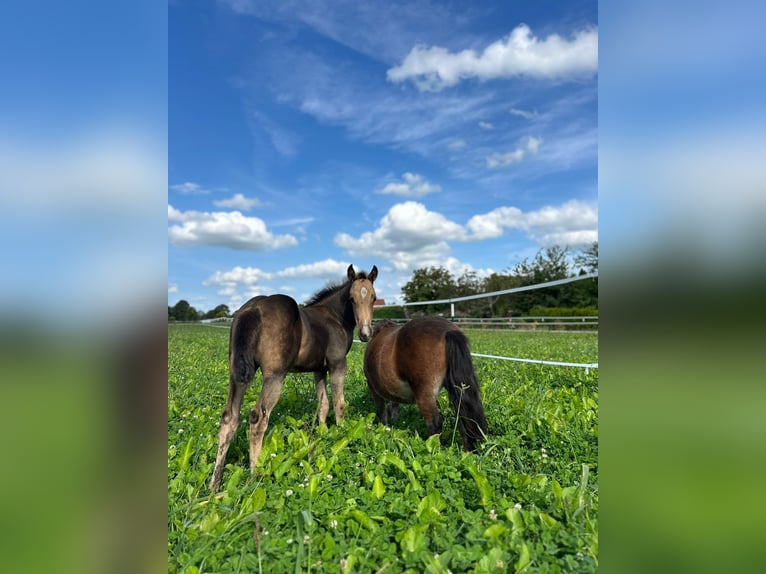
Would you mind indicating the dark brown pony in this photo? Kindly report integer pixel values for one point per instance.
(411, 364)
(278, 336)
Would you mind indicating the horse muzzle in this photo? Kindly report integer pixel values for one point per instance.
(364, 332)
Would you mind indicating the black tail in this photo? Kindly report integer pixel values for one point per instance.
(463, 389)
(242, 344)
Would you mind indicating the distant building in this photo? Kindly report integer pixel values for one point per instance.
(379, 303)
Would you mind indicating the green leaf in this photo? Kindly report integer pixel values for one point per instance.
(378, 488)
(485, 490)
(432, 443)
(557, 489)
(362, 518)
(494, 531)
(340, 445)
(186, 456)
(328, 550)
(208, 523)
(524, 558)
(258, 498)
(313, 485)
(414, 538)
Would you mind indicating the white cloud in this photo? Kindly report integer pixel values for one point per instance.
(492, 224)
(188, 187)
(238, 201)
(456, 144)
(413, 186)
(410, 236)
(527, 115)
(503, 159)
(224, 229)
(573, 223)
(172, 288)
(326, 269)
(520, 53)
(486, 126)
(241, 283)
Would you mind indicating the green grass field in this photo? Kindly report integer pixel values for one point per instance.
(361, 497)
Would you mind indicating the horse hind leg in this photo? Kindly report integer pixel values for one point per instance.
(428, 408)
(229, 424)
(259, 417)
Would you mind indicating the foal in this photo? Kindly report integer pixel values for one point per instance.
(411, 364)
(274, 334)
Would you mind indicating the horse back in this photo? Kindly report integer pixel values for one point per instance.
(267, 330)
(420, 348)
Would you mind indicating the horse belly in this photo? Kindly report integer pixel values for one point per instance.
(399, 391)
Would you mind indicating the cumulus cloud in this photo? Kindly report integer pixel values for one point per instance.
(407, 234)
(224, 229)
(327, 269)
(456, 144)
(486, 125)
(433, 68)
(240, 283)
(504, 159)
(238, 201)
(410, 236)
(573, 223)
(413, 185)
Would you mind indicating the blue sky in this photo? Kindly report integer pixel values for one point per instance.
(304, 136)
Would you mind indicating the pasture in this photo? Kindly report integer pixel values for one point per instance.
(363, 497)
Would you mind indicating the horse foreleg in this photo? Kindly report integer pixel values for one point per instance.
(229, 424)
(259, 417)
(320, 382)
(337, 376)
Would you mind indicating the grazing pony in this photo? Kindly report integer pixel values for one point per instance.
(411, 364)
(278, 336)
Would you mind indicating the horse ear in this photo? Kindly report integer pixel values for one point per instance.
(350, 273)
(373, 274)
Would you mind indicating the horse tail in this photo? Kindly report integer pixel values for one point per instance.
(463, 389)
(242, 344)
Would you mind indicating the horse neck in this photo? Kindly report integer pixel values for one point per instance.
(339, 306)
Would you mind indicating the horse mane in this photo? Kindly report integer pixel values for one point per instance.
(331, 289)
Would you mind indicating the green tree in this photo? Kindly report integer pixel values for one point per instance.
(219, 312)
(499, 305)
(428, 284)
(587, 259)
(182, 311)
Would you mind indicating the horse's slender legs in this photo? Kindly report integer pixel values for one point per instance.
(394, 411)
(320, 382)
(427, 405)
(259, 417)
(337, 376)
(380, 404)
(229, 424)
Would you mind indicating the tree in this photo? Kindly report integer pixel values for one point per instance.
(182, 311)
(588, 258)
(219, 312)
(428, 284)
(550, 264)
(499, 305)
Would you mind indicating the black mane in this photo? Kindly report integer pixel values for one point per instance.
(331, 289)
